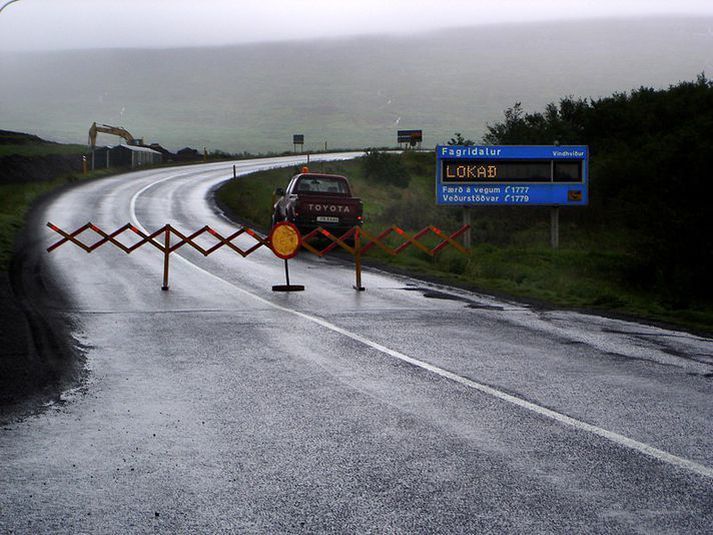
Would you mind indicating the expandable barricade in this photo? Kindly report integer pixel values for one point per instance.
(355, 241)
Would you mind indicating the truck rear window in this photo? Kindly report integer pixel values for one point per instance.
(322, 185)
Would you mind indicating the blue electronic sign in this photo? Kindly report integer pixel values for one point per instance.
(512, 175)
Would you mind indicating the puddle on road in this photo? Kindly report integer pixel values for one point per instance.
(484, 307)
(705, 375)
(436, 294)
(568, 342)
(659, 341)
(643, 333)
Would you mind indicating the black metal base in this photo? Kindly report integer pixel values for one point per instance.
(288, 288)
(358, 288)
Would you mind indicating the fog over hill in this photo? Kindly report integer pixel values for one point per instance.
(352, 93)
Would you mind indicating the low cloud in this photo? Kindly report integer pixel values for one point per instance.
(48, 24)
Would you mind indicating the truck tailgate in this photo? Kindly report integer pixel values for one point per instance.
(333, 209)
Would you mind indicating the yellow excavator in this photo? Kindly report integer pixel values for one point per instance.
(114, 130)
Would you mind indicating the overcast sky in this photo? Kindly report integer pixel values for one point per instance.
(59, 24)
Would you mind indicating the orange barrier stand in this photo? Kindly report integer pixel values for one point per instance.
(356, 235)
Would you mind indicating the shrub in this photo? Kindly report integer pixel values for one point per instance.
(385, 168)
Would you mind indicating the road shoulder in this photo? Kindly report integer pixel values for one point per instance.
(38, 356)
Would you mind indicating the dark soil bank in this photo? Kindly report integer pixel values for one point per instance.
(14, 340)
(38, 358)
(22, 169)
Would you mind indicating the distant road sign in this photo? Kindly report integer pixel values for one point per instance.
(409, 136)
(512, 175)
(298, 139)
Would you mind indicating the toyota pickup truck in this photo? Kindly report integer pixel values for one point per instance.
(314, 200)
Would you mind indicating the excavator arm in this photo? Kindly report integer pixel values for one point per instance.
(108, 129)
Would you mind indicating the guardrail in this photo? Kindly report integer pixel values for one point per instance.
(168, 239)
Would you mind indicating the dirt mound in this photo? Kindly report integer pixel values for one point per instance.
(8, 137)
(23, 169)
(38, 357)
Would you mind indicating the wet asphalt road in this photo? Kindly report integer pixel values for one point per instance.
(220, 406)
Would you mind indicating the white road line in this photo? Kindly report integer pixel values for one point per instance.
(621, 440)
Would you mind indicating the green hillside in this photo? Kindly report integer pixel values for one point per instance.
(641, 248)
(20, 144)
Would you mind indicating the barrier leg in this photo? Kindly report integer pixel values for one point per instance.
(166, 253)
(357, 260)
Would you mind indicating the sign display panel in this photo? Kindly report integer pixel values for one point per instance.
(512, 174)
(285, 240)
(409, 136)
(298, 139)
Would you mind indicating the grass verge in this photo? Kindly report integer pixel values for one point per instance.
(15, 201)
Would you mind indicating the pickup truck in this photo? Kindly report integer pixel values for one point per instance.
(314, 200)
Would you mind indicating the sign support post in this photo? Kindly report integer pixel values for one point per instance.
(555, 227)
(412, 138)
(298, 139)
(466, 222)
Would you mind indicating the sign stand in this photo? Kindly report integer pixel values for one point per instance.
(285, 241)
(287, 287)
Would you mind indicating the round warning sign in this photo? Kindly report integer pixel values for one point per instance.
(285, 240)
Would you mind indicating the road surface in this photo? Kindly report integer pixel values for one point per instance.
(220, 406)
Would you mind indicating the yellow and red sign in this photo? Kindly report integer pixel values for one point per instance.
(285, 240)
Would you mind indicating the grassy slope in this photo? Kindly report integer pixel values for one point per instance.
(15, 201)
(41, 150)
(22, 144)
(586, 272)
(16, 198)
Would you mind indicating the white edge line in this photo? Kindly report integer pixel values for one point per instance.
(621, 440)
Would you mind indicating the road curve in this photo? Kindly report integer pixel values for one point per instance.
(220, 406)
